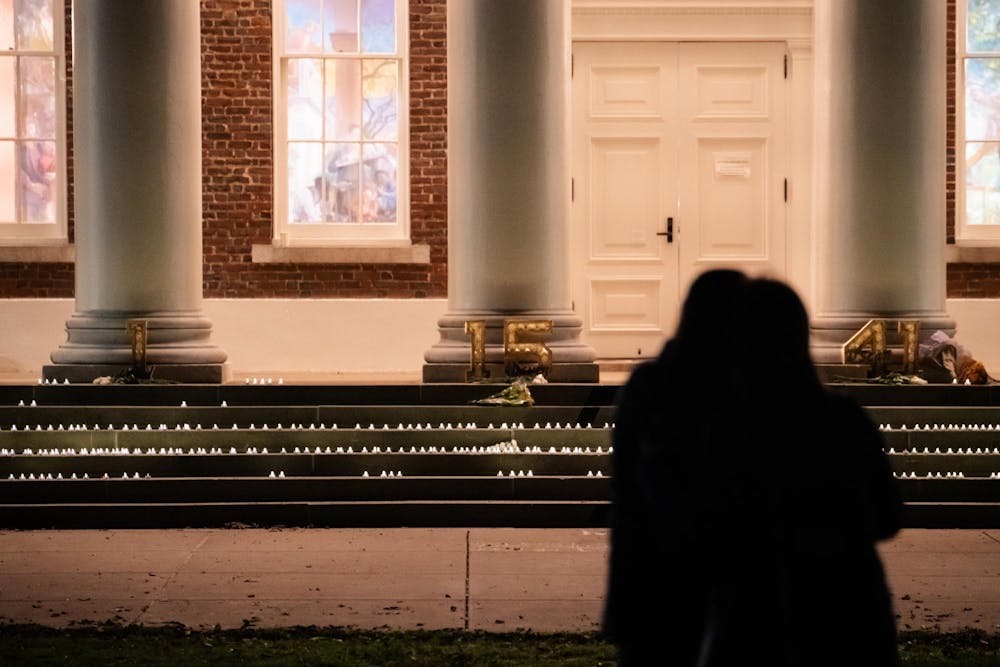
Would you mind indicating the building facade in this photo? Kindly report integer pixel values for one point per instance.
(282, 296)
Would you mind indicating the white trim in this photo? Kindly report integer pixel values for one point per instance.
(289, 335)
(965, 234)
(25, 233)
(37, 252)
(286, 233)
(977, 254)
(692, 20)
(692, 6)
(334, 336)
(326, 254)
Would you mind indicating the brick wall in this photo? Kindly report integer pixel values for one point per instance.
(28, 281)
(978, 280)
(237, 169)
(237, 204)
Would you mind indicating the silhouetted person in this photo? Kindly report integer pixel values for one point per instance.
(748, 500)
(660, 508)
(807, 492)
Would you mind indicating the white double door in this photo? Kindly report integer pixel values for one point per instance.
(679, 158)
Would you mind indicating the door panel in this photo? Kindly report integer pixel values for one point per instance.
(625, 183)
(625, 304)
(691, 132)
(625, 91)
(732, 144)
(625, 179)
(731, 202)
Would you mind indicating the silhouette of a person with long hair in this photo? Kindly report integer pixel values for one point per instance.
(658, 520)
(748, 499)
(806, 491)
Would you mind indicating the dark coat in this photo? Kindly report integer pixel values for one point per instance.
(809, 491)
(658, 526)
(747, 527)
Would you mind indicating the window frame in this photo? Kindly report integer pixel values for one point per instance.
(22, 233)
(966, 233)
(356, 234)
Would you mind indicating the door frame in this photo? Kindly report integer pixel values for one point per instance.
(787, 21)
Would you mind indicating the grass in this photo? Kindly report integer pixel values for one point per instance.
(177, 646)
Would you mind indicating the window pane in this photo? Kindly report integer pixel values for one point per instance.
(343, 99)
(7, 178)
(38, 97)
(379, 198)
(983, 20)
(342, 175)
(7, 88)
(38, 181)
(982, 183)
(303, 22)
(6, 25)
(34, 25)
(305, 98)
(341, 25)
(982, 98)
(378, 26)
(305, 182)
(380, 99)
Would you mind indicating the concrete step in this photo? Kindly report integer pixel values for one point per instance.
(375, 514)
(205, 463)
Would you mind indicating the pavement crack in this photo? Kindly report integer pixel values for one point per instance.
(990, 537)
(157, 594)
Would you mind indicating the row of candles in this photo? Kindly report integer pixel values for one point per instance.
(249, 380)
(322, 426)
(500, 448)
(399, 473)
(941, 427)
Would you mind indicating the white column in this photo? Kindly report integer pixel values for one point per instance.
(137, 171)
(880, 170)
(508, 182)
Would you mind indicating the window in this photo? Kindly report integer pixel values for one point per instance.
(32, 148)
(341, 155)
(978, 214)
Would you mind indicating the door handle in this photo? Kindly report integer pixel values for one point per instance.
(670, 231)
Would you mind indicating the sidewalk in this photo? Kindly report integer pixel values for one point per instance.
(543, 580)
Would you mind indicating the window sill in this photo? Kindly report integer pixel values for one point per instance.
(38, 254)
(984, 252)
(401, 254)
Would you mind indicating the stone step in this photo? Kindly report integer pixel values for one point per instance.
(434, 394)
(206, 464)
(356, 488)
(295, 395)
(299, 465)
(375, 514)
(303, 489)
(272, 415)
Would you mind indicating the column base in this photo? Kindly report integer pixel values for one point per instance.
(100, 338)
(830, 332)
(449, 359)
(177, 348)
(180, 373)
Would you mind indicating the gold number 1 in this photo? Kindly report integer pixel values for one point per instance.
(477, 363)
